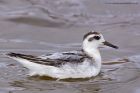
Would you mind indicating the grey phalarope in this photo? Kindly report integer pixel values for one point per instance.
(74, 64)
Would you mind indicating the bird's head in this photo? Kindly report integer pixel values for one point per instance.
(93, 40)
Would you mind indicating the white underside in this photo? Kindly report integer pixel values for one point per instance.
(82, 70)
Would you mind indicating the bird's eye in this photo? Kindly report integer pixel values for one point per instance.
(97, 37)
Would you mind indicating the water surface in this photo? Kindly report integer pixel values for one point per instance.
(44, 26)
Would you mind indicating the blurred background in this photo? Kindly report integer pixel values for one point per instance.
(44, 26)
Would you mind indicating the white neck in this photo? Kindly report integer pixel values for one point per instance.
(96, 57)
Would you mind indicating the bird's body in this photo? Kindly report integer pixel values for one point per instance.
(74, 64)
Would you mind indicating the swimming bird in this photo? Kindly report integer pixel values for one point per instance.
(84, 63)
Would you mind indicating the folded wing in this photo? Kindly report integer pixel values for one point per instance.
(56, 59)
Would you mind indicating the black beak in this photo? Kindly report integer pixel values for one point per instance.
(110, 45)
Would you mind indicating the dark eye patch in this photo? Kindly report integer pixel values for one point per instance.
(97, 37)
(94, 38)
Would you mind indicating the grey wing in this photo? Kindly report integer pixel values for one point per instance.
(70, 56)
(55, 59)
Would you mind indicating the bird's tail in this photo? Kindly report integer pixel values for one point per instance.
(23, 58)
(18, 55)
(11, 54)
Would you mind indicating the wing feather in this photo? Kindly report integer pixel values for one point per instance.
(66, 57)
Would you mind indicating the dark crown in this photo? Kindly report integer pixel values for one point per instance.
(90, 33)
